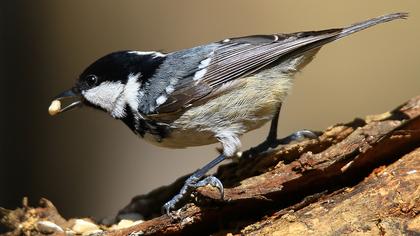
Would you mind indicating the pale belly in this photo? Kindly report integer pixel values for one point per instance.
(239, 111)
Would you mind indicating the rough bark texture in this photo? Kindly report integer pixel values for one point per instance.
(359, 178)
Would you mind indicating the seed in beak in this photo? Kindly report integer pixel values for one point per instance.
(54, 108)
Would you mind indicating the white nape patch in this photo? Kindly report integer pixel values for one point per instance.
(161, 99)
(226, 40)
(154, 53)
(105, 96)
(169, 89)
(276, 38)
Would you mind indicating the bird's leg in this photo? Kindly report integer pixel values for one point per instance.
(272, 141)
(272, 133)
(194, 181)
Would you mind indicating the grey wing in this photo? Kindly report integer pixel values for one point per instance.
(196, 75)
(231, 59)
(234, 58)
(243, 56)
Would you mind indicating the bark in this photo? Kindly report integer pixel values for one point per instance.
(357, 178)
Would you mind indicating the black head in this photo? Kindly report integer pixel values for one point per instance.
(115, 67)
(112, 82)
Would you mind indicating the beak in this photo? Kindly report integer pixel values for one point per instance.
(55, 106)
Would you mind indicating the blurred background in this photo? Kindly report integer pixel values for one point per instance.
(88, 164)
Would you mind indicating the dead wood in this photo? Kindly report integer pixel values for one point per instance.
(359, 177)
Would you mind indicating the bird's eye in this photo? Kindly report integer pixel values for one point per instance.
(91, 80)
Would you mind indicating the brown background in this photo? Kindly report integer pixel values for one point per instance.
(89, 164)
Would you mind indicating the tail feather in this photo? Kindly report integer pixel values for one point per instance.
(371, 22)
(336, 34)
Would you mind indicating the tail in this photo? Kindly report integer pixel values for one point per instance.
(371, 22)
(320, 38)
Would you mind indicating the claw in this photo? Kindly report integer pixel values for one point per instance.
(191, 183)
(212, 181)
(297, 136)
(167, 207)
(194, 182)
(272, 143)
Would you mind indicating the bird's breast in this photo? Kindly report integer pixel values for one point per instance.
(238, 111)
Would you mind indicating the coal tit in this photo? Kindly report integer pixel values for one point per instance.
(205, 94)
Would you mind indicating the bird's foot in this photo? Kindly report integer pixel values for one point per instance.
(191, 184)
(272, 142)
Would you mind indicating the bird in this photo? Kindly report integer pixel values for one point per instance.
(212, 93)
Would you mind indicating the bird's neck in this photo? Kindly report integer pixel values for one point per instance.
(141, 125)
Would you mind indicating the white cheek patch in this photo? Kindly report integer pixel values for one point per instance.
(114, 96)
(105, 96)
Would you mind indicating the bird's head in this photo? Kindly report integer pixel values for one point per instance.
(112, 83)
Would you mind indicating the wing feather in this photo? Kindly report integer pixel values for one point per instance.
(234, 59)
(219, 65)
